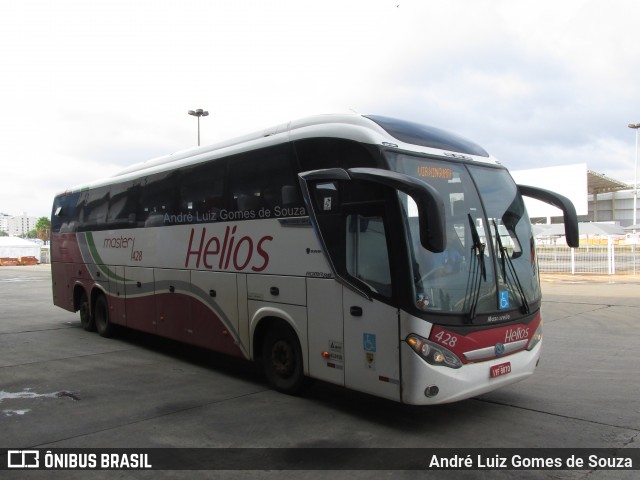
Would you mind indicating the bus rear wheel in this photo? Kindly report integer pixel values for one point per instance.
(86, 319)
(282, 360)
(101, 316)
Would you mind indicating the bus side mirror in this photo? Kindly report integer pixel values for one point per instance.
(571, 231)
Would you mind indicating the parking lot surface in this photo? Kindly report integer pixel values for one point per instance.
(63, 387)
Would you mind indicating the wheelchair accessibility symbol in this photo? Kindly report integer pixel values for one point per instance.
(504, 300)
(369, 342)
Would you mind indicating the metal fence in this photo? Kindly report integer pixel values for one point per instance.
(607, 259)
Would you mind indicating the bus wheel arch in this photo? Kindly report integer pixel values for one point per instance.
(278, 350)
(82, 304)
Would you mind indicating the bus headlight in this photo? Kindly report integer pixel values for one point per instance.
(433, 353)
(537, 337)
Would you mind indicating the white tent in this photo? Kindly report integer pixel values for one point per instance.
(14, 247)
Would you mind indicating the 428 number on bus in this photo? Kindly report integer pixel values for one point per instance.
(446, 338)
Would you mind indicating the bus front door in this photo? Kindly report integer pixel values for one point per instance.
(372, 357)
(352, 221)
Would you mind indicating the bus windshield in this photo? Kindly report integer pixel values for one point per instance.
(488, 266)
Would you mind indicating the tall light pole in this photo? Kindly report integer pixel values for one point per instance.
(635, 126)
(198, 113)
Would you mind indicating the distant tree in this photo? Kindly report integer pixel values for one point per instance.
(3, 233)
(43, 228)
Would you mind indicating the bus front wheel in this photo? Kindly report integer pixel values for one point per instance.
(282, 360)
(101, 316)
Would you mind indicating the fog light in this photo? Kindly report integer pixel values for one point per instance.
(536, 338)
(431, 391)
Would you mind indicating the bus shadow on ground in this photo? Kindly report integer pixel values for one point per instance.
(225, 364)
(369, 408)
(390, 414)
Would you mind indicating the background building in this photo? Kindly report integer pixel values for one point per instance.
(615, 206)
(597, 198)
(17, 226)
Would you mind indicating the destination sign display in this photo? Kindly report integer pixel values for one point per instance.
(430, 171)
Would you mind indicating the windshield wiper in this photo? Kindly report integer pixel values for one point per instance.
(477, 246)
(506, 261)
(478, 272)
(503, 254)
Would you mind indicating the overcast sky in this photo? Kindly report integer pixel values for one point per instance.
(89, 87)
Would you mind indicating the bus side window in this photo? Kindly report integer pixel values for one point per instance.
(158, 200)
(202, 191)
(263, 184)
(64, 218)
(123, 205)
(93, 208)
(367, 256)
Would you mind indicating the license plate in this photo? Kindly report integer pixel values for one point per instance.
(499, 370)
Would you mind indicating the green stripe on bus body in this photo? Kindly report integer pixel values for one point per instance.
(98, 260)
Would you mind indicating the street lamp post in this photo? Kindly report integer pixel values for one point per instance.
(198, 113)
(635, 126)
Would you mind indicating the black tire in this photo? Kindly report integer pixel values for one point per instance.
(282, 360)
(101, 317)
(86, 319)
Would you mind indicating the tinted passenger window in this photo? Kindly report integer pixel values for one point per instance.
(263, 184)
(63, 218)
(92, 208)
(158, 199)
(202, 192)
(123, 205)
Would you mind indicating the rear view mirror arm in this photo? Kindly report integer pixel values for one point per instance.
(563, 203)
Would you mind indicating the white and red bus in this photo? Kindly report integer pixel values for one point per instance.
(381, 255)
